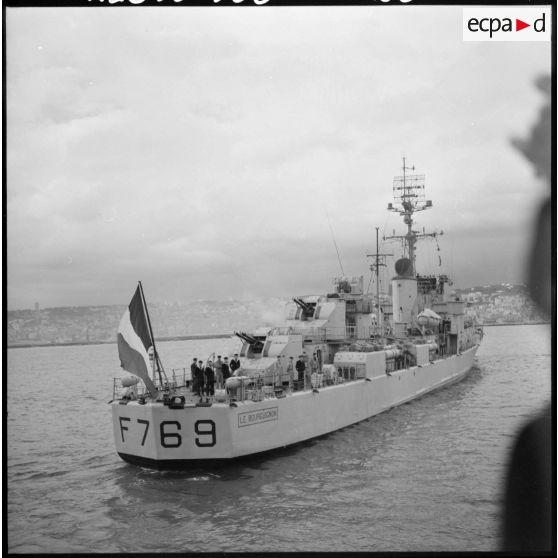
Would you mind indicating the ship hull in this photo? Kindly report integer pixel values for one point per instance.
(156, 436)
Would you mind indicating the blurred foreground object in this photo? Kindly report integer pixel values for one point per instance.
(529, 523)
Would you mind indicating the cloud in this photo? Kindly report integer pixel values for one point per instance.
(204, 150)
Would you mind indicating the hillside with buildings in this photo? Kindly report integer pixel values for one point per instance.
(99, 324)
(502, 304)
(493, 304)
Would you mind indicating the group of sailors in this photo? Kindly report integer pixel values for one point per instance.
(305, 368)
(212, 375)
(205, 379)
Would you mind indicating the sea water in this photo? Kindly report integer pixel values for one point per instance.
(425, 476)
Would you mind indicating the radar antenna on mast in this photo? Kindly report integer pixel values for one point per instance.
(409, 196)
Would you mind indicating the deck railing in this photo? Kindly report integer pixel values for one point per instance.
(258, 386)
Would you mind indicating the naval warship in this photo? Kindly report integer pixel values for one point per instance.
(337, 359)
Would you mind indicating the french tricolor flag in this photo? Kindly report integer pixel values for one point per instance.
(134, 341)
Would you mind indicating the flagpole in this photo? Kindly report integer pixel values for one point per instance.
(155, 353)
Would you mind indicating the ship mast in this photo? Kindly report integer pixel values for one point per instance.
(408, 193)
(379, 261)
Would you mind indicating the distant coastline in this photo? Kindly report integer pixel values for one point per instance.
(202, 336)
(159, 340)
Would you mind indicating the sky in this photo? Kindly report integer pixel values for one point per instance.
(218, 152)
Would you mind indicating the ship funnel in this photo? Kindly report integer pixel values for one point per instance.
(404, 295)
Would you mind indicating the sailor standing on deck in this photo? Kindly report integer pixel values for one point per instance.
(193, 368)
(218, 367)
(226, 370)
(209, 380)
(314, 364)
(290, 369)
(198, 379)
(235, 363)
(300, 367)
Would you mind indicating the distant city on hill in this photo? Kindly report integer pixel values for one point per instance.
(494, 304)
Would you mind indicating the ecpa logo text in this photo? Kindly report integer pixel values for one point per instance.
(493, 25)
(496, 23)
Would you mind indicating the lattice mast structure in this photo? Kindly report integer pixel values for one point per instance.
(379, 261)
(409, 197)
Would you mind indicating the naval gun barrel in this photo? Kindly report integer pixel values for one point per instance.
(248, 338)
(304, 305)
(244, 337)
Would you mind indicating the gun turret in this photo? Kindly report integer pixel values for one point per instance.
(307, 307)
